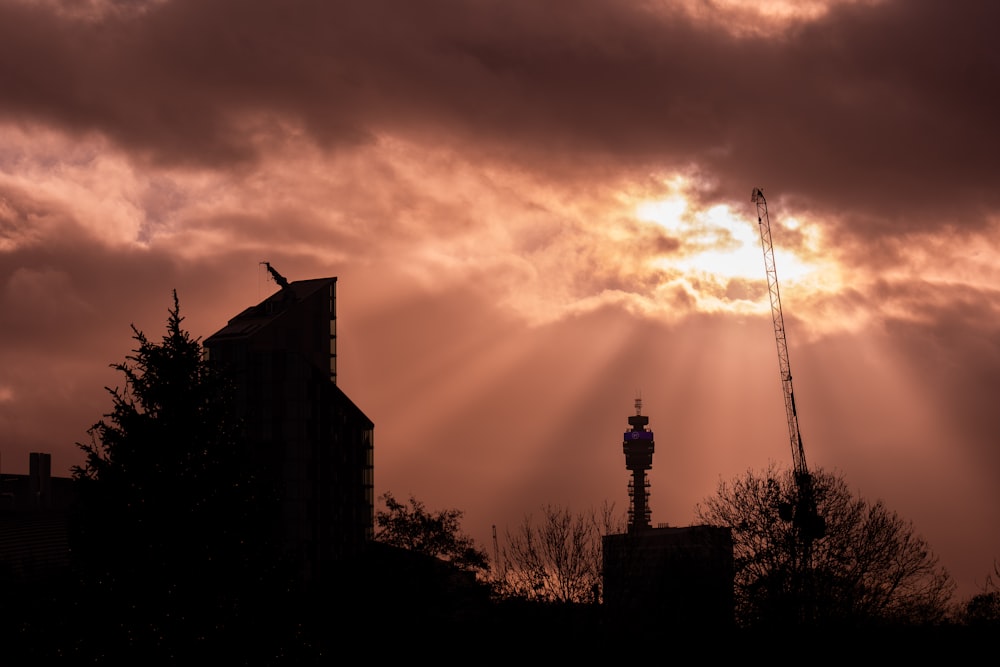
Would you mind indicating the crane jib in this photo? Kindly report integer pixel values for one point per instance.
(806, 517)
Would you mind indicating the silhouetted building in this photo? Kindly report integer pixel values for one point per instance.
(683, 576)
(34, 510)
(300, 427)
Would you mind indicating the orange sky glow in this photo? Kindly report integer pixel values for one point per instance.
(533, 219)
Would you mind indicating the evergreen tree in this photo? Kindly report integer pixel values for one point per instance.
(169, 524)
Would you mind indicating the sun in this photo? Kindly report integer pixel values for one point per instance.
(714, 242)
(719, 259)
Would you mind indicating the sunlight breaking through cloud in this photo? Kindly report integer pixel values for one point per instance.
(720, 259)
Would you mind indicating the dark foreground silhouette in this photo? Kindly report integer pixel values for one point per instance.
(384, 605)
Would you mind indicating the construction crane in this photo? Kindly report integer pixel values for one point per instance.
(803, 513)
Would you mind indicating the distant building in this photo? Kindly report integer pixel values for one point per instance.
(300, 427)
(681, 576)
(34, 511)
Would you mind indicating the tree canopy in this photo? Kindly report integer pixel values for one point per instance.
(411, 526)
(869, 567)
(169, 515)
(983, 609)
(557, 558)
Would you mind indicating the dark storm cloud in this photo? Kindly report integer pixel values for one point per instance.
(882, 114)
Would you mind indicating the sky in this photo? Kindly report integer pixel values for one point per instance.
(537, 212)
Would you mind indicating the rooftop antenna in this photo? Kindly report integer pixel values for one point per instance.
(278, 278)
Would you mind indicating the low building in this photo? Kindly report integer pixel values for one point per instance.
(679, 576)
(34, 516)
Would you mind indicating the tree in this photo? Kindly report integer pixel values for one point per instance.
(868, 569)
(437, 534)
(168, 520)
(983, 609)
(559, 559)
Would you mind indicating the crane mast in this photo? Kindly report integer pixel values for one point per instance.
(804, 513)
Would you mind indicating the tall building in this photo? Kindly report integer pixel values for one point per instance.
(316, 445)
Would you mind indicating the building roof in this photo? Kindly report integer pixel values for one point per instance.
(254, 318)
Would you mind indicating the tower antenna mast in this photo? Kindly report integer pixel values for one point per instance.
(638, 447)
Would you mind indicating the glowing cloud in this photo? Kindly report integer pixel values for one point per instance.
(719, 260)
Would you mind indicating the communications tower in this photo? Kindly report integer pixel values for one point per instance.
(638, 447)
